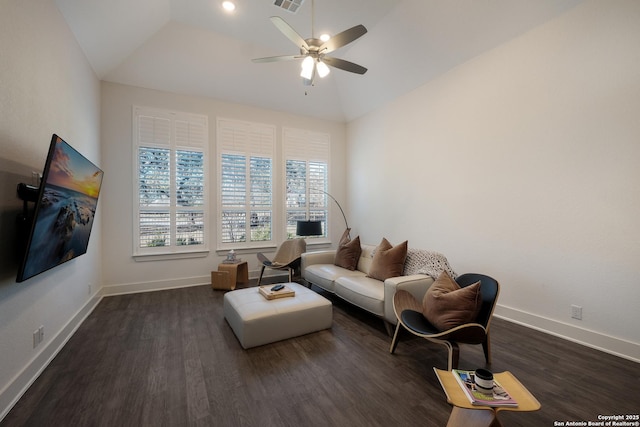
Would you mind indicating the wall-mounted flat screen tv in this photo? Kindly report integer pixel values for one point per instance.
(64, 210)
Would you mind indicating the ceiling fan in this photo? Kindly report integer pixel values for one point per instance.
(313, 51)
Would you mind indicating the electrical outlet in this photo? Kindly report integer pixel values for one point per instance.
(38, 336)
(576, 312)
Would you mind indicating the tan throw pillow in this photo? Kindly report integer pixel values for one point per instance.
(348, 252)
(388, 260)
(447, 305)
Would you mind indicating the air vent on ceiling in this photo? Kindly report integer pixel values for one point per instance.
(290, 5)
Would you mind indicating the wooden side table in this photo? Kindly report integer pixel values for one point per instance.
(464, 414)
(231, 274)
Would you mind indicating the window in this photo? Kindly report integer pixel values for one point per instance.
(306, 177)
(170, 196)
(245, 160)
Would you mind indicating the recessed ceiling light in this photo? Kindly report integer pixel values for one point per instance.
(325, 37)
(229, 6)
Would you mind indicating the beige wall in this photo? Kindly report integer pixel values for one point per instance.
(121, 272)
(46, 87)
(523, 164)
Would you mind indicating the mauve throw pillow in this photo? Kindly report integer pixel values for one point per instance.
(388, 260)
(348, 252)
(447, 305)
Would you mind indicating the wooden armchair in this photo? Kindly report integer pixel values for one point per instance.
(409, 311)
(287, 257)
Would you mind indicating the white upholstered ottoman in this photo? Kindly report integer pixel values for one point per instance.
(257, 321)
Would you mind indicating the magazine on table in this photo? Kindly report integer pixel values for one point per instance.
(500, 396)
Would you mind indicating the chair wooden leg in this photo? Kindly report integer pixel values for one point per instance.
(260, 278)
(454, 355)
(394, 341)
(290, 274)
(486, 346)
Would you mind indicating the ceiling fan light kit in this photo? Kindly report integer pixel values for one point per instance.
(229, 6)
(307, 68)
(314, 51)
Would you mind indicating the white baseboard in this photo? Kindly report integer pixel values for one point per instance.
(159, 285)
(156, 285)
(606, 343)
(14, 390)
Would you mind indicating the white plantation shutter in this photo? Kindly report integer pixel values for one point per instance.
(300, 144)
(154, 176)
(193, 133)
(154, 131)
(306, 158)
(170, 191)
(234, 180)
(237, 136)
(245, 155)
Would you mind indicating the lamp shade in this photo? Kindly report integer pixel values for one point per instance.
(309, 228)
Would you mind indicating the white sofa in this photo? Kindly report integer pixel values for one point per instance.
(420, 270)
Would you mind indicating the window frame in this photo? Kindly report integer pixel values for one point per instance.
(186, 133)
(251, 141)
(310, 147)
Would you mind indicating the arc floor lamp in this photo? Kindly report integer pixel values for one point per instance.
(314, 228)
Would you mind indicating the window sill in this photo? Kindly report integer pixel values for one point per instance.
(271, 247)
(163, 256)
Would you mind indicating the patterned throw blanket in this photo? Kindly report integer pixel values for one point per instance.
(420, 261)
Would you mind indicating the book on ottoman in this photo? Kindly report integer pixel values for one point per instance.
(285, 292)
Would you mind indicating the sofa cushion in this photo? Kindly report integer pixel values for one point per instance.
(362, 291)
(366, 257)
(324, 275)
(388, 260)
(447, 305)
(348, 252)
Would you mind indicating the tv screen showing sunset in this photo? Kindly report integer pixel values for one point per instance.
(65, 212)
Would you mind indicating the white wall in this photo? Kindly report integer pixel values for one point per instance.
(121, 272)
(46, 87)
(523, 164)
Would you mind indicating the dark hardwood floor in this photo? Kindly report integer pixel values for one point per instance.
(169, 358)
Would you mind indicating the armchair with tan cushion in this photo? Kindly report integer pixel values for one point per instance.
(287, 257)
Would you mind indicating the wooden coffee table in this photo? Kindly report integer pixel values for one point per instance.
(464, 414)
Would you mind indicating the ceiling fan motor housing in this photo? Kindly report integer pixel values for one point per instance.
(314, 46)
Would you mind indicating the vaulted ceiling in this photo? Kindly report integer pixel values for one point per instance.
(194, 47)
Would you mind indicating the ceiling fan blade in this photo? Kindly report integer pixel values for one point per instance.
(343, 38)
(289, 32)
(344, 65)
(277, 58)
